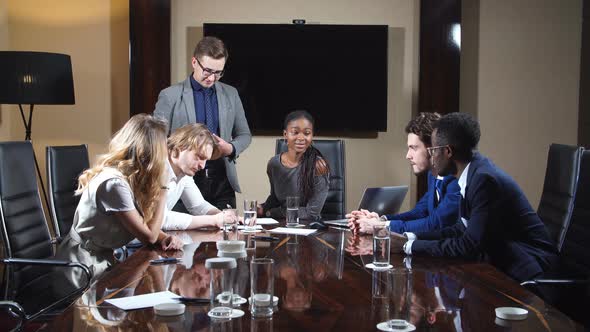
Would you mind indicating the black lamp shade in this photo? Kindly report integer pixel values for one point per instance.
(36, 78)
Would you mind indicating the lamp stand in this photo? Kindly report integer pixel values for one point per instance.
(28, 126)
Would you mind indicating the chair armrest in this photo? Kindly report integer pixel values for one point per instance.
(50, 262)
(554, 282)
(15, 309)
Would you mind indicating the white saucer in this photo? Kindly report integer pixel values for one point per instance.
(252, 231)
(511, 313)
(169, 309)
(275, 300)
(238, 300)
(235, 313)
(373, 267)
(239, 254)
(384, 326)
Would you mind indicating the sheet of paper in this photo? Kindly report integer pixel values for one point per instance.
(240, 227)
(295, 231)
(266, 221)
(143, 301)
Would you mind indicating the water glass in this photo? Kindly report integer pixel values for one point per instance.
(230, 218)
(221, 286)
(381, 246)
(292, 211)
(261, 287)
(381, 284)
(250, 207)
(261, 324)
(401, 298)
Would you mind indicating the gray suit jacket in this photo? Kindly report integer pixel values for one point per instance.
(176, 104)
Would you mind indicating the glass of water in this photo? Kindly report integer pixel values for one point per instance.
(292, 211)
(250, 215)
(221, 286)
(261, 287)
(381, 246)
(230, 218)
(401, 298)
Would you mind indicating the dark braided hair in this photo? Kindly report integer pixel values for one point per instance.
(310, 159)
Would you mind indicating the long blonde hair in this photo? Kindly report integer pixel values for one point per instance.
(138, 151)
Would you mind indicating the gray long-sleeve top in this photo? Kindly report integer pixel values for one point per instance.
(284, 181)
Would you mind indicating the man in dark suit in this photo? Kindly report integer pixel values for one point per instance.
(438, 208)
(202, 98)
(497, 222)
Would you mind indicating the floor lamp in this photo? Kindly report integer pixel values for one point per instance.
(35, 78)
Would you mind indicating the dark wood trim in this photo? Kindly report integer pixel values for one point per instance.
(149, 52)
(439, 62)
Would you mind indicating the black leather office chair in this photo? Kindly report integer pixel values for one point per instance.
(64, 165)
(567, 285)
(333, 151)
(561, 178)
(25, 238)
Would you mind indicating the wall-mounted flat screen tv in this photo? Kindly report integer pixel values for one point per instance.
(338, 73)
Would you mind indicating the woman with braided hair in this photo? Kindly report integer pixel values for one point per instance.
(301, 171)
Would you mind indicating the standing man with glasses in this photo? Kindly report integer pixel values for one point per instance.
(203, 99)
(497, 224)
(438, 208)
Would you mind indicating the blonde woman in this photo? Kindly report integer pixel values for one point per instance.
(122, 197)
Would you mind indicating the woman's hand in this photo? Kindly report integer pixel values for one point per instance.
(171, 242)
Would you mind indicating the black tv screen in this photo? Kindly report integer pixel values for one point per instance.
(338, 73)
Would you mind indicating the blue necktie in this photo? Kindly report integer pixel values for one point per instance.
(209, 119)
(437, 187)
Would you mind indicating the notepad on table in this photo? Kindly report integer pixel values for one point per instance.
(144, 300)
(266, 221)
(295, 231)
(241, 227)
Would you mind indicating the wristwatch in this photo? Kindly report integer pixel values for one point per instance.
(267, 213)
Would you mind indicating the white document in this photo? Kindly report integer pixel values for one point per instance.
(240, 227)
(266, 221)
(295, 231)
(143, 301)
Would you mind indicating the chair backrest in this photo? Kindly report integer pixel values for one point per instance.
(577, 234)
(561, 178)
(24, 228)
(333, 151)
(25, 233)
(64, 165)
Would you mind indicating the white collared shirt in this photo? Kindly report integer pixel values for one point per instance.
(462, 184)
(183, 188)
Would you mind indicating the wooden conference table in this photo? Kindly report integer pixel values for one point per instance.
(322, 285)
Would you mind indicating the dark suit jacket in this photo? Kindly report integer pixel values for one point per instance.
(427, 215)
(502, 226)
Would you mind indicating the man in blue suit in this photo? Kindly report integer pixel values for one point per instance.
(438, 208)
(497, 222)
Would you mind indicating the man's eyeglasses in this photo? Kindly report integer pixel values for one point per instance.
(208, 72)
(432, 150)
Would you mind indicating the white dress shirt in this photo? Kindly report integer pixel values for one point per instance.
(462, 184)
(183, 188)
